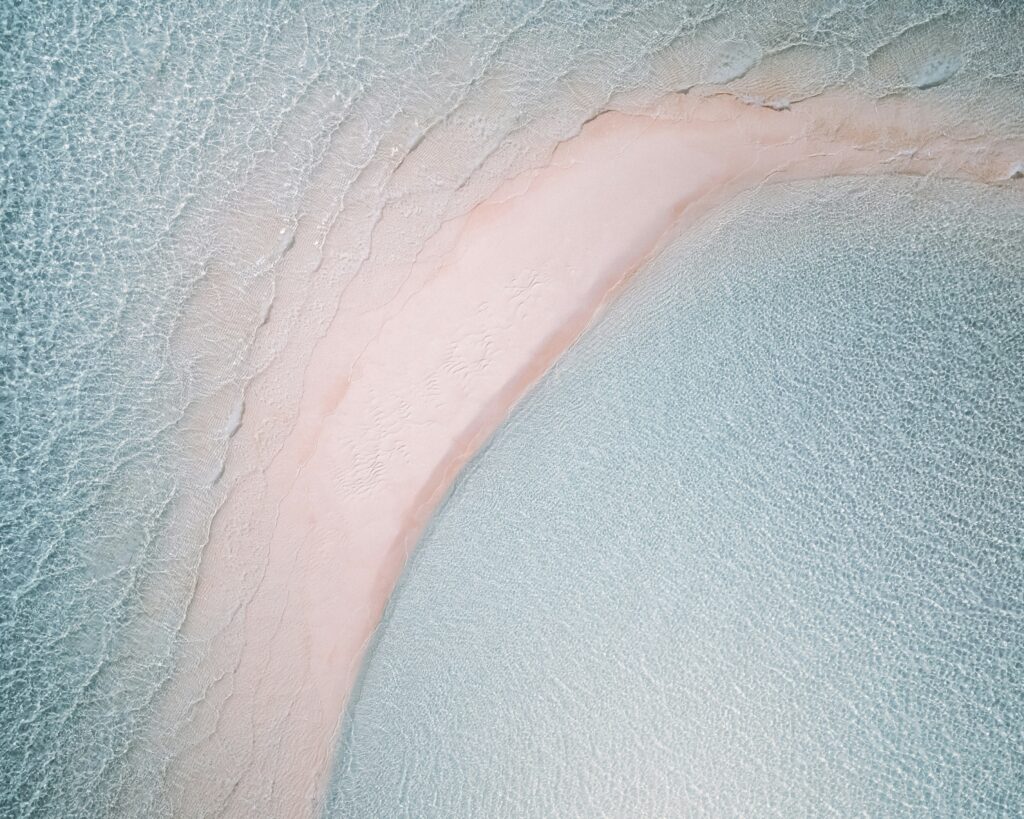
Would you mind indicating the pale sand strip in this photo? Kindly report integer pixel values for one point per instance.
(304, 553)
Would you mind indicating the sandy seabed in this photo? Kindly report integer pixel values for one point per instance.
(396, 397)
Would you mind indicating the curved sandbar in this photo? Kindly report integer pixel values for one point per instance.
(396, 397)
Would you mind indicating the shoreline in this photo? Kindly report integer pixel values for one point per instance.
(397, 396)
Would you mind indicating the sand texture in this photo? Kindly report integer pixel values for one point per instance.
(400, 392)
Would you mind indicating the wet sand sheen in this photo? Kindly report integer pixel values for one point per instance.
(396, 398)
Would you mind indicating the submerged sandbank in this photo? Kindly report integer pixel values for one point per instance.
(398, 394)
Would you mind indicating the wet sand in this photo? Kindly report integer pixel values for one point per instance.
(400, 392)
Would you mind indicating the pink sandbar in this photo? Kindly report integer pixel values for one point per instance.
(397, 397)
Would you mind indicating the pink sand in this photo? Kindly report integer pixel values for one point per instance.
(306, 550)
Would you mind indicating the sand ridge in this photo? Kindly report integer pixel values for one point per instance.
(399, 394)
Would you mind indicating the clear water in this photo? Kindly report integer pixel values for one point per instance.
(155, 157)
(754, 547)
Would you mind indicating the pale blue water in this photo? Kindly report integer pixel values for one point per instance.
(154, 153)
(754, 547)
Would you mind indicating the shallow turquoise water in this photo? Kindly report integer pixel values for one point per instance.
(155, 153)
(754, 547)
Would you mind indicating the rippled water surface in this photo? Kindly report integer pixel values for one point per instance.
(784, 472)
(753, 547)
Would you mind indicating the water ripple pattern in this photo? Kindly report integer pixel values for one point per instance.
(156, 161)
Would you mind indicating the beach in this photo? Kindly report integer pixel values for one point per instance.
(402, 390)
(511, 409)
